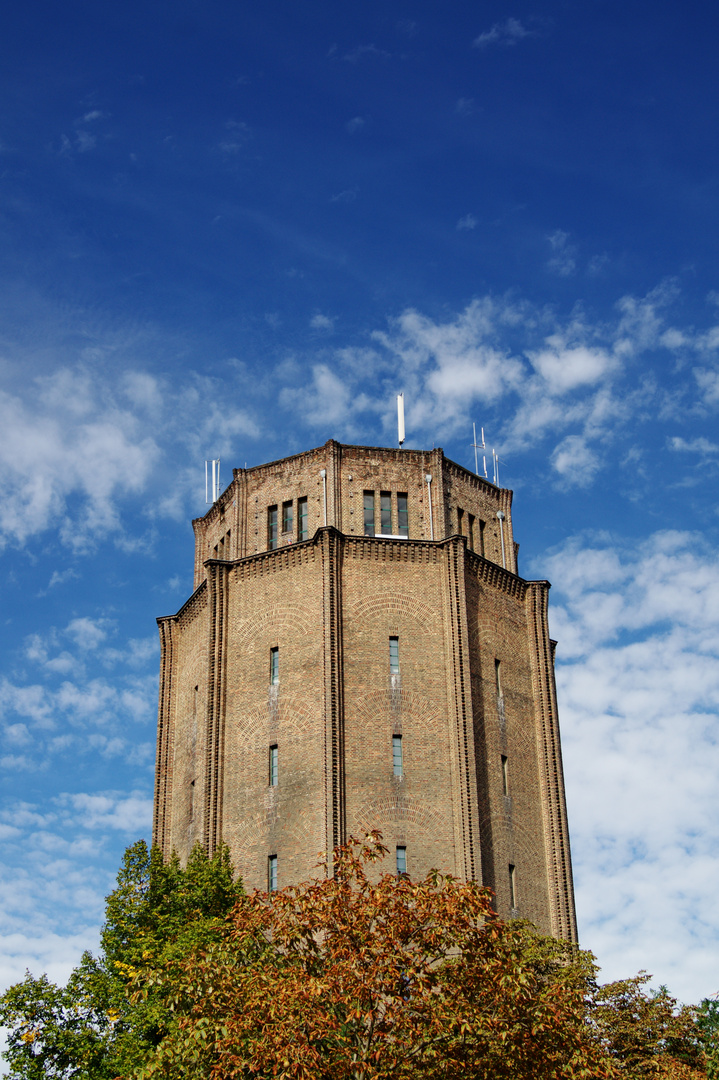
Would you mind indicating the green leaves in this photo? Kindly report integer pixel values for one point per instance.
(91, 1029)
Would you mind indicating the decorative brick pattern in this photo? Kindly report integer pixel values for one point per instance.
(470, 688)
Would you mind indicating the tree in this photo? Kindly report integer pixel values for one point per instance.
(350, 978)
(645, 1033)
(90, 1029)
(708, 1023)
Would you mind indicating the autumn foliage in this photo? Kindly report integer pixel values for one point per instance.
(359, 977)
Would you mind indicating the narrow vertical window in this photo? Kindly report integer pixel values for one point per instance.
(460, 521)
(394, 656)
(498, 678)
(402, 514)
(287, 517)
(369, 513)
(480, 523)
(272, 873)
(302, 532)
(274, 766)
(505, 775)
(401, 860)
(274, 666)
(470, 531)
(192, 799)
(271, 527)
(397, 754)
(385, 511)
(512, 886)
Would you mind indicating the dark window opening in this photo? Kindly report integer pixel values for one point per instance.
(274, 766)
(505, 775)
(274, 666)
(385, 511)
(271, 527)
(272, 873)
(287, 517)
(302, 532)
(369, 513)
(397, 754)
(402, 514)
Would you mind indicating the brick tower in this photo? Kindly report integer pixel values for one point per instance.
(359, 653)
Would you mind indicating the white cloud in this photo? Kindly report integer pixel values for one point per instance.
(469, 221)
(67, 442)
(708, 382)
(85, 141)
(327, 401)
(508, 32)
(564, 255)
(127, 812)
(322, 322)
(355, 124)
(86, 633)
(366, 52)
(638, 684)
(347, 196)
(699, 445)
(575, 462)
(238, 133)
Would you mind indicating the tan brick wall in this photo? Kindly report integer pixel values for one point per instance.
(330, 605)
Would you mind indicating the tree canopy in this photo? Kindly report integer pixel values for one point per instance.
(356, 976)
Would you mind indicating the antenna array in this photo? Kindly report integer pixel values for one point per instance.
(495, 457)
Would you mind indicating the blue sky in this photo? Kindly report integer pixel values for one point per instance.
(239, 230)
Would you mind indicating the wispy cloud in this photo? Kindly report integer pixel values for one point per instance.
(322, 322)
(703, 447)
(564, 254)
(366, 52)
(504, 33)
(355, 124)
(469, 221)
(347, 196)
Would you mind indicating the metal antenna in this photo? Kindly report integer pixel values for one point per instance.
(479, 446)
(496, 460)
(400, 419)
(215, 481)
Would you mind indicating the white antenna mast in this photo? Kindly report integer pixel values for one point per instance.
(495, 459)
(400, 419)
(479, 446)
(215, 481)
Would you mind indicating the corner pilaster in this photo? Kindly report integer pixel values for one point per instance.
(551, 779)
(462, 759)
(161, 825)
(218, 585)
(335, 800)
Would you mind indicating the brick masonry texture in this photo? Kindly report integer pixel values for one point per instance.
(480, 788)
